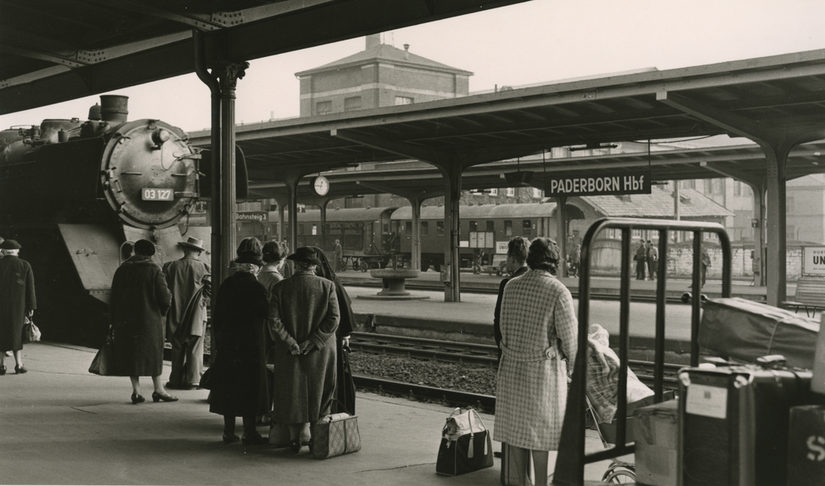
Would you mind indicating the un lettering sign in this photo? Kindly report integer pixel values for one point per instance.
(813, 262)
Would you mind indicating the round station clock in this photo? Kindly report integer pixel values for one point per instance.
(321, 185)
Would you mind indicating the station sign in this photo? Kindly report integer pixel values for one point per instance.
(261, 216)
(599, 184)
(813, 260)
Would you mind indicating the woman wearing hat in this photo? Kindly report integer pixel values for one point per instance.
(538, 339)
(239, 387)
(305, 315)
(138, 305)
(17, 300)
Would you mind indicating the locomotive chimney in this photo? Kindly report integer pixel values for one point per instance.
(114, 108)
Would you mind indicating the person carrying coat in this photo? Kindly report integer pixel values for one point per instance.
(186, 320)
(17, 301)
(304, 313)
(139, 302)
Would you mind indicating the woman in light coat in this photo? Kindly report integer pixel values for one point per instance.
(305, 315)
(538, 339)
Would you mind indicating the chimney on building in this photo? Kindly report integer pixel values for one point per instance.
(373, 40)
(406, 51)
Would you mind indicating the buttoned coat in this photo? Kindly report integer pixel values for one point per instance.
(303, 308)
(184, 278)
(139, 302)
(538, 339)
(16, 299)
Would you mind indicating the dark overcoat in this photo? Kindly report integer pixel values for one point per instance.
(16, 299)
(240, 387)
(344, 383)
(139, 302)
(303, 308)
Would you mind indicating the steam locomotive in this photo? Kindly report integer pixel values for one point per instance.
(74, 193)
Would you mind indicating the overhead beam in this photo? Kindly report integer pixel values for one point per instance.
(395, 147)
(728, 121)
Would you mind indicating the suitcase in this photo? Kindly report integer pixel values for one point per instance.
(656, 433)
(735, 424)
(335, 435)
(806, 446)
(515, 466)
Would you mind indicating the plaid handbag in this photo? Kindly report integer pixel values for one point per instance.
(335, 435)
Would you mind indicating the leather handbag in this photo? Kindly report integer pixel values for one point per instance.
(104, 361)
(465, 444)
(335, 435)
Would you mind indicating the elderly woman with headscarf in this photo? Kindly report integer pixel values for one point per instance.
(538, 339)
(344, 383)
(305, 315)
(239, 380)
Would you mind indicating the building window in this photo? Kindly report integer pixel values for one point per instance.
(718, 186)
(508, 228)
(510, 192)
(537, 193)
(323, 107)
(439, 228)
(404, 100)
(425, 228)
(737, 188)
(493, 192)
(352, 103)
(408, 227)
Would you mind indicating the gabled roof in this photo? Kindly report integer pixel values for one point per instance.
(385, 53)
(657, 204)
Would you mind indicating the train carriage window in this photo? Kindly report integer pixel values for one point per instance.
(473, 225)
(491, 226)
(508, 228)
(527, 228)
(408, 227)
(439, 228)
(425, 228)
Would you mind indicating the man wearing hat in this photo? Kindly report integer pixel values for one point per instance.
(186, 320)
(17, 300)
(304, 313)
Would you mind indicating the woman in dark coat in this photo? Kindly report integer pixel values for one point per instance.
(139, 301)
(17, 300)
(239, 370)
(344, 384)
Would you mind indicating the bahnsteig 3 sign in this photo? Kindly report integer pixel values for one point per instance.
(596, 183)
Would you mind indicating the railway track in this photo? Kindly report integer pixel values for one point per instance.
(472, 353)
(453, 398)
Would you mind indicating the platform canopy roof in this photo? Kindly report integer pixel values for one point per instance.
(770, 100)
(59, 50)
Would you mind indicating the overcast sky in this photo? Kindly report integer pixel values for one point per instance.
(531, 43)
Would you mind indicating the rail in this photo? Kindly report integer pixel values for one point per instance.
(572, 458)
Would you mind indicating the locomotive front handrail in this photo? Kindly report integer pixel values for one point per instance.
(571, 458)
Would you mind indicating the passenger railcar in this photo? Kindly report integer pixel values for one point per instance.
(362, 231)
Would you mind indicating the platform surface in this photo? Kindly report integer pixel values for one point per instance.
(62, 425)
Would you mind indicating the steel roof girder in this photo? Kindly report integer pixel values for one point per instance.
(731, 122)
(392, 146)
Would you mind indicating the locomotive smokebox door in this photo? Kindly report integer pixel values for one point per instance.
(149, 174)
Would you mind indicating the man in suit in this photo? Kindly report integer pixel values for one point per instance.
(186, 320)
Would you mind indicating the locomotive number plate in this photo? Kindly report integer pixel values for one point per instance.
(157, 194)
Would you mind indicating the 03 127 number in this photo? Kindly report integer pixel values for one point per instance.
(157, 194)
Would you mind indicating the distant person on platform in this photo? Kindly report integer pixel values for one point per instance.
(139, 301)
(288, 268)
(705, 264)
(304, 315)
(652, 258)
(17, 301)
(756, 268)
(516, 264)
(338, 255)
(187, 279)
(538, 341)
(240, 386)
(641, 260)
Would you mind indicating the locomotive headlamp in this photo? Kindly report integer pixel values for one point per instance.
(159, 136)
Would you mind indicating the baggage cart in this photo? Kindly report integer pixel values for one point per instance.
(572, 459)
